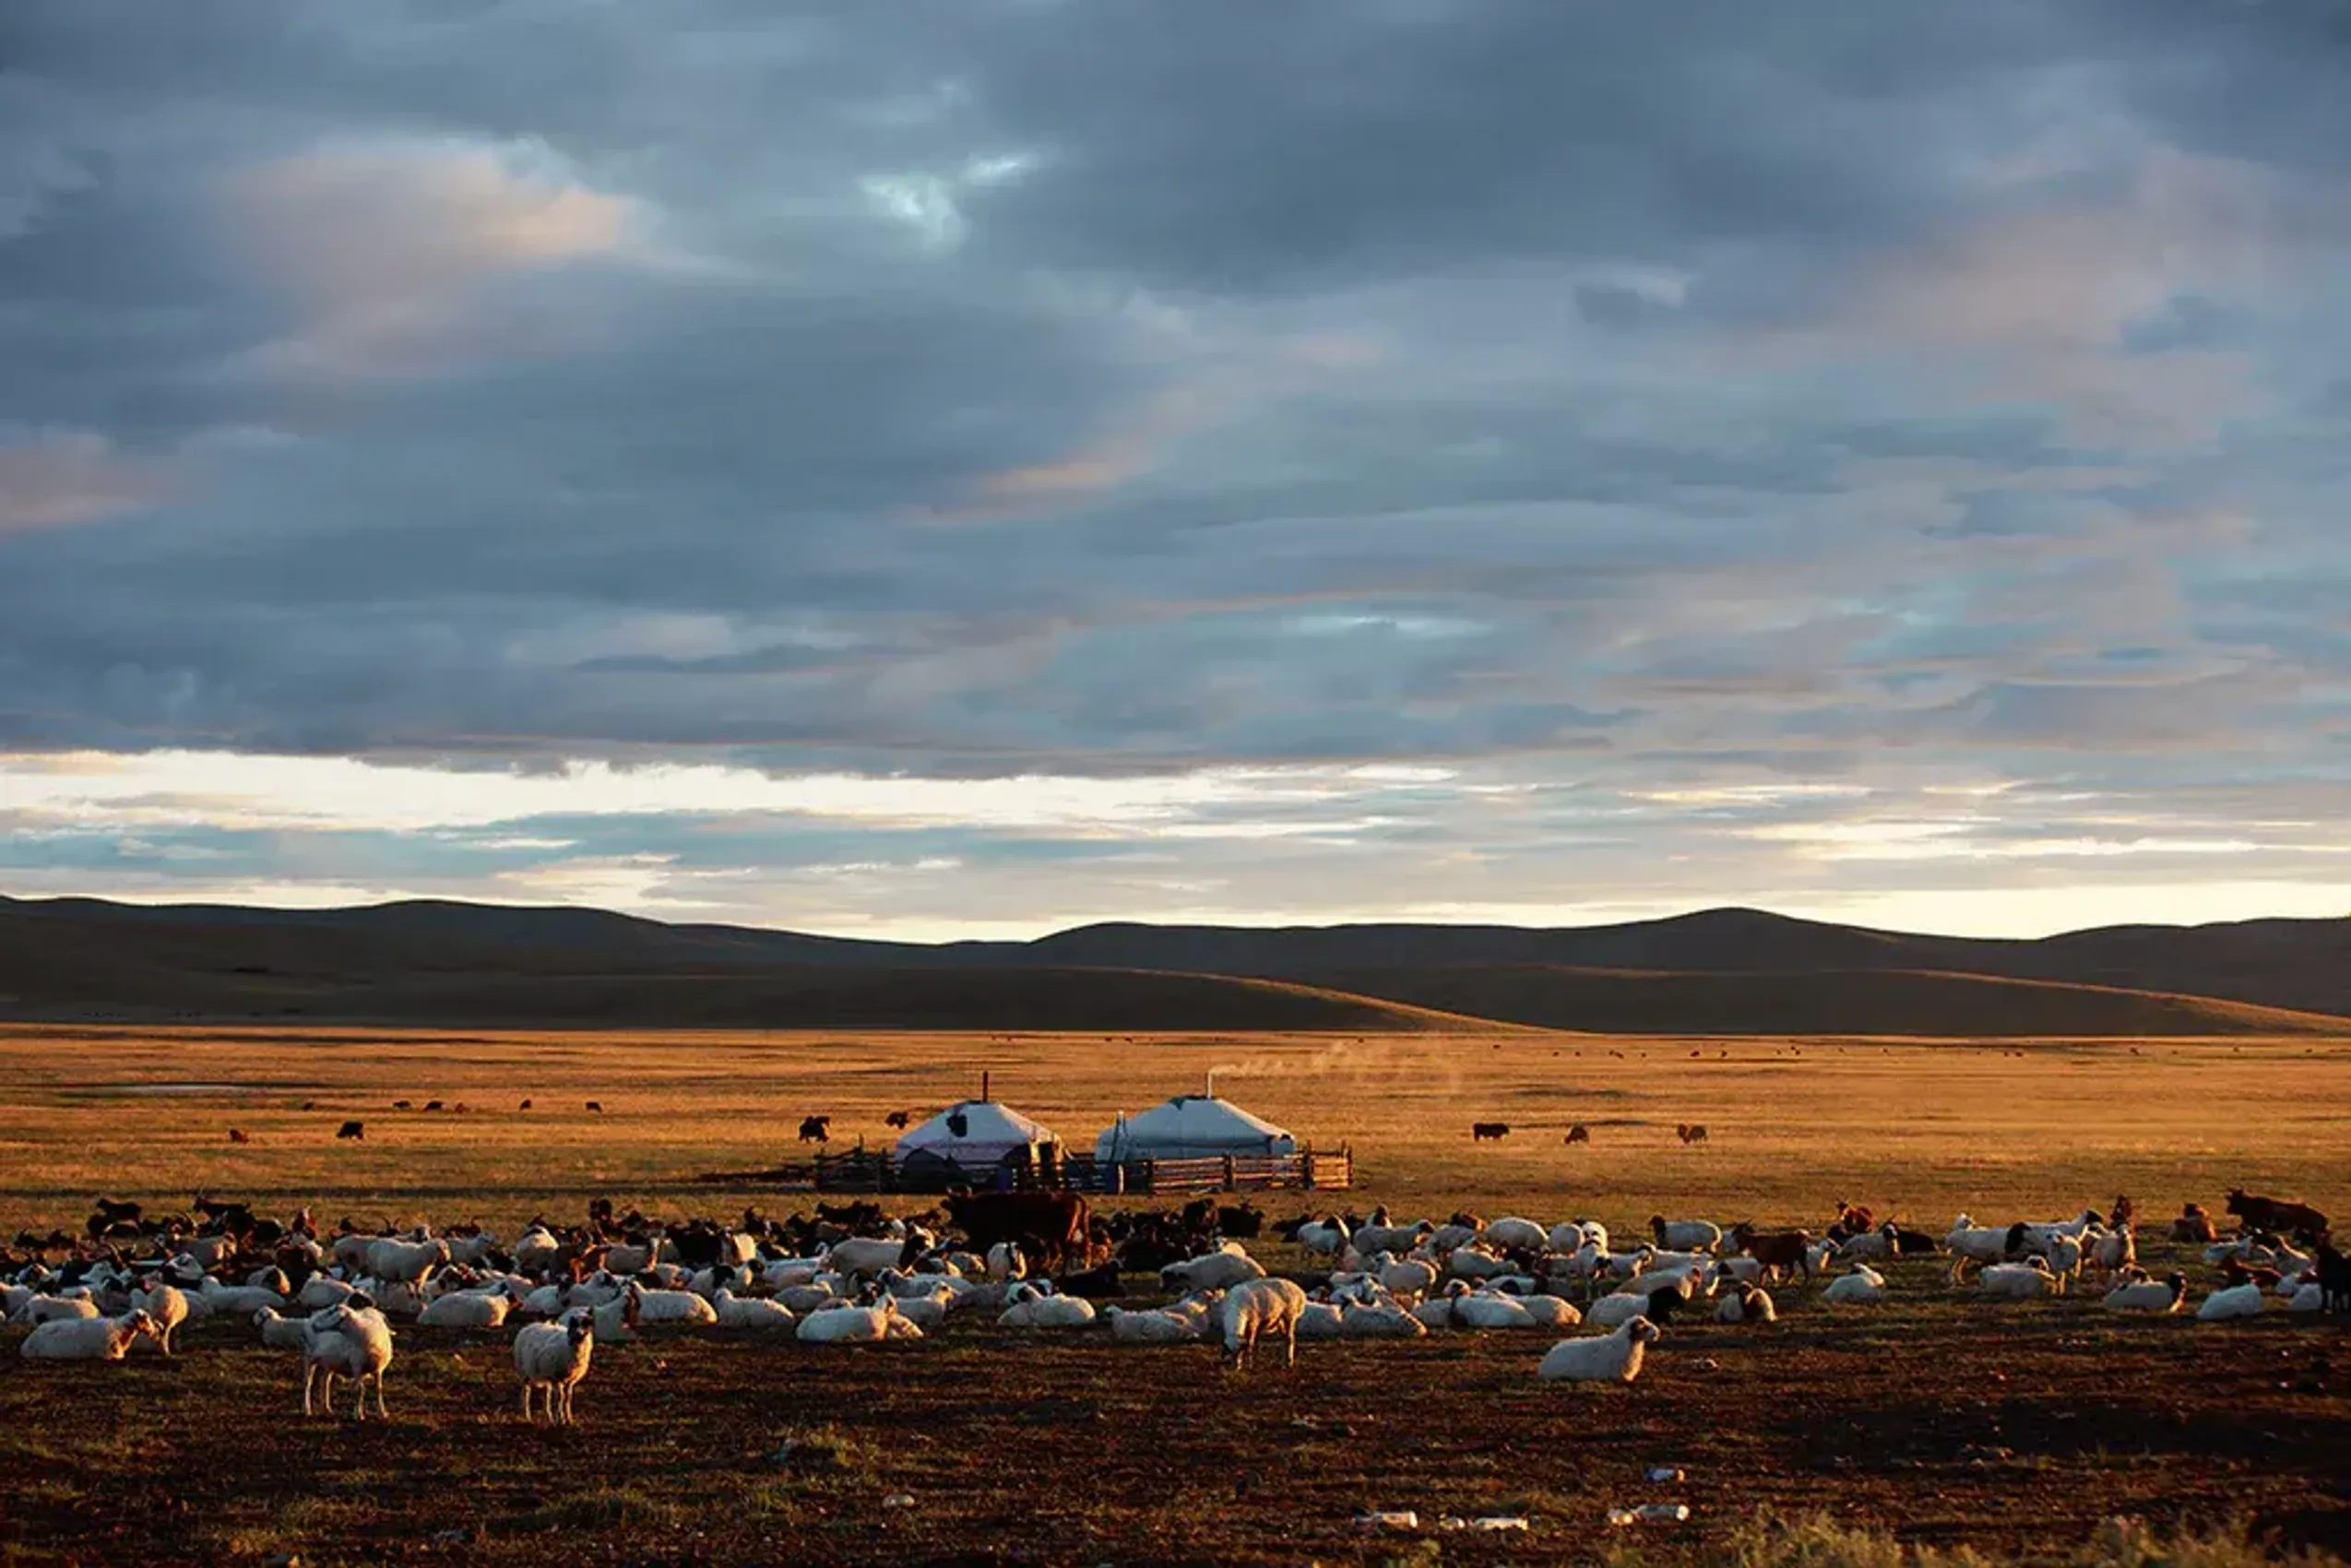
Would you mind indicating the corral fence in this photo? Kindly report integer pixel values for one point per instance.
(873, 1171)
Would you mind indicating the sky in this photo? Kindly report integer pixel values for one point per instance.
(974, 467)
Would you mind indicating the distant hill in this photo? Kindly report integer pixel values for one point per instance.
(1717, 972)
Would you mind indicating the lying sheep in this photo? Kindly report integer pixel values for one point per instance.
(759, 1313)
(2237, 1301)
(1862, 1286)
(89, 1339)
(2021, 1281)
(1749, 1304)
(1605, 1357)
(2164, 1295)
(1228, 1266)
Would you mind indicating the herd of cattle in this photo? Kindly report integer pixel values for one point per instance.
(1044, 1259)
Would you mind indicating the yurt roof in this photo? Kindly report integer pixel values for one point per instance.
(984, 1124)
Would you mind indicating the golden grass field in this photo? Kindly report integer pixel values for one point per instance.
(2020, 1429)
(1923, 1128)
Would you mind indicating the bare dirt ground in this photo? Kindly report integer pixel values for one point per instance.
(2009, 1426)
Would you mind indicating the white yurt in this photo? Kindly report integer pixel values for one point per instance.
(974, 1136)
(1188, 1128)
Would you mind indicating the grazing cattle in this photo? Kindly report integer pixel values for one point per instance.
(1048, 1226)
(816, 1129)
(2334, 1280)
(2275, 1214)
(237, 1137)
(1786, 1251)
(1690, 1131)
(899, 1119)
(525, 1105)
(432, 1105)
(1479, 1132)
(352, 1130)
(596, 1106)
(1579, 1134)
(401, 1104)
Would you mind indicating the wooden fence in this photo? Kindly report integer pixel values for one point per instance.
(865, 1170)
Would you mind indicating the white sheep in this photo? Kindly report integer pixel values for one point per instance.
(2114, 1251)
(63, 1308)
(1373, 1320)
(674, 1306)
(2308, 1298)
(1864, 1286)
(394, 1262)
(2021, 1281)
(168, 1306)
(347, 1341)
(1617, 1310)
(554, 1355)
(469, 1309)
(1482, 1311)
(88, 1338)
(616, 1319)
(863, 1255)
(1695, 1235)
(1322, 1320)
(281, 1333)
(2149, 1295)
(845, 1326)
(1323, 1238)
(2237, 1301)
(1405, 1277)
(1970, 1242)
(1550, 1311)
(321, 1291)
(1228, 1266)
(1006, 1263)
(1147, 1327)
(756, 1312)
(1512, 1231)
(1261, 1306)
(1036, 1309)
(1749, 1304)
(1604, 1358)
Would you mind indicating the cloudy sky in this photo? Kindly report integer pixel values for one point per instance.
(934, 467)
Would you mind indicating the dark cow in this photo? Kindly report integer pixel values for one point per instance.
(1690, 1131)
(899, 1119)
(236, 1137)
(596, 1106)
(1579, 1134)
(1789, 1252)
(2334, 1280)
(816, 1129)
(1049, 1226)
(525, 1105)
(2275, 1214)
(1482, 1131)
(352, 1130)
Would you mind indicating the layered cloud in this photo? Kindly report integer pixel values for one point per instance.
(623, 443)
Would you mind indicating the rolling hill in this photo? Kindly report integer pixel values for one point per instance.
(1723, 971)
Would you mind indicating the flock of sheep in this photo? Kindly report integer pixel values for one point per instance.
(334, 1299)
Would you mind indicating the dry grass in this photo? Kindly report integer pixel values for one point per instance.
(1950, 1424)
(1923, 1127)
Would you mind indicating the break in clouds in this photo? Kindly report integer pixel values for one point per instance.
(986, 464)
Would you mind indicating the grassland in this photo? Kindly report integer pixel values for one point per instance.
(1926, 1128)
(1943, 1419)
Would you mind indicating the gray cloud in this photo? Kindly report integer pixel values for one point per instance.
(977, 388)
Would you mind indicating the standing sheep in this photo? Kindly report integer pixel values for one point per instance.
(1262, 1306)
(554, 1355)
